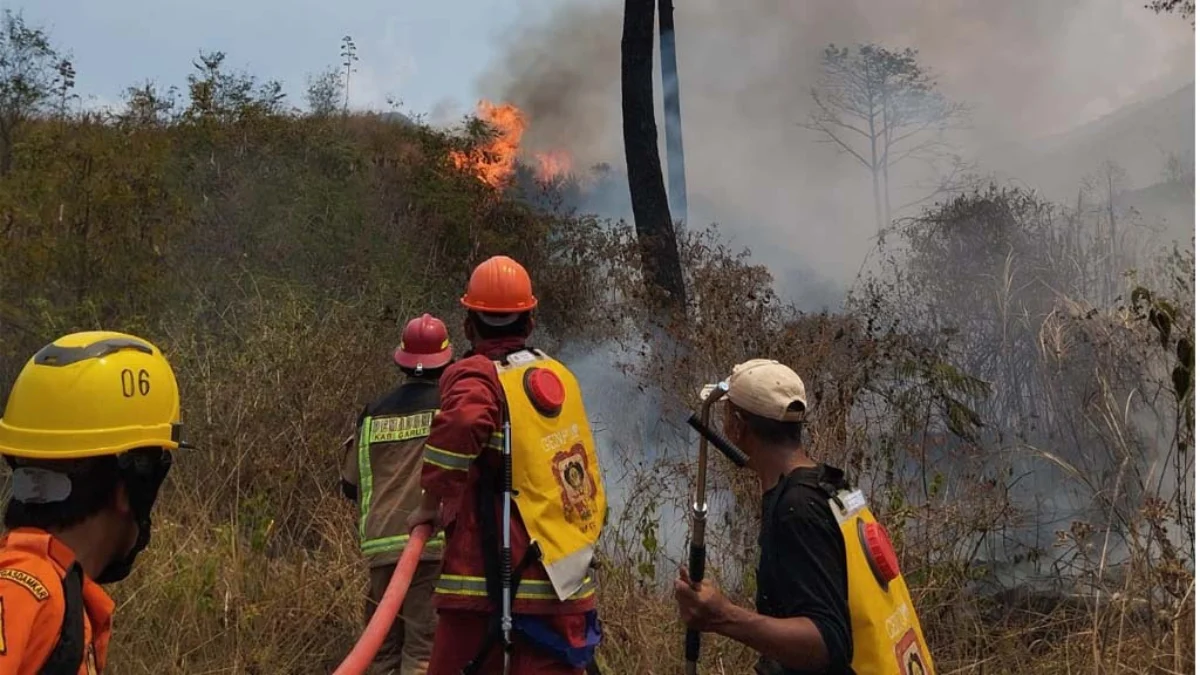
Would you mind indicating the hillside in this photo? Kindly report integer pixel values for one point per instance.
(1168, 208)
(273, 255)
(1139, 137)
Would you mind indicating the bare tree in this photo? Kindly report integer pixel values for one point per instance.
(33, 77)
(349, 56)
(1105, 186)
(881, 107)
(64, 83)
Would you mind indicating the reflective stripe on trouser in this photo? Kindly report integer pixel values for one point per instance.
(530, 589)
(398, 542)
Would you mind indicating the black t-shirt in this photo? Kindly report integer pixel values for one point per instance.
(802, 563)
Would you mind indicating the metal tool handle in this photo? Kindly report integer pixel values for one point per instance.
(723, 444)
(691, 643)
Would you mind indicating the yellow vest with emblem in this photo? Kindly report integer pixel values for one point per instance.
(556, 473)
(884, 626)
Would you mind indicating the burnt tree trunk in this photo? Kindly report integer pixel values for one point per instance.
(672, 116)
(651, 213)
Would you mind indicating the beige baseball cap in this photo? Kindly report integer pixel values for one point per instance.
(768, 389)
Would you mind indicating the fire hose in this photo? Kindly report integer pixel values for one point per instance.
(359, 658)
(696, 558)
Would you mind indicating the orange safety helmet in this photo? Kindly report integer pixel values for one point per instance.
(424, 344)
(500, 285)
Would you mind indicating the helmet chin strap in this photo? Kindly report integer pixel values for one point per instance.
(117, 570)
(143, 472)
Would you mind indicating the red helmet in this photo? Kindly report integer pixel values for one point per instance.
(424, 344)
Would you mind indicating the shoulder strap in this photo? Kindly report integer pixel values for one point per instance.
(68, 653)
(829, 481)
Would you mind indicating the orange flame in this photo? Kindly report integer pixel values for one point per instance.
(553, 165)
(495, 162)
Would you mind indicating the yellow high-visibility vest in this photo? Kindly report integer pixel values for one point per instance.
(556, 473)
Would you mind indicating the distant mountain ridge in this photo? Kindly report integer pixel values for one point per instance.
(1139, 137)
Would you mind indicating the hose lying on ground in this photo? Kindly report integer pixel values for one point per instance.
(359, 658)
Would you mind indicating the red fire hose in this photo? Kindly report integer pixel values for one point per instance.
(359, 658)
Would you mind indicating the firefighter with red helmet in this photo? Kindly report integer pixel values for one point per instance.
(381, 471)
(511, 471)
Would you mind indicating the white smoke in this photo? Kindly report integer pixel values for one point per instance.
(1028, 68)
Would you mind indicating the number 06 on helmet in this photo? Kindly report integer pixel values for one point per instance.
(91, 394)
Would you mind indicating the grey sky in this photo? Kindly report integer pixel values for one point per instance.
(441, 54)
(424, 53)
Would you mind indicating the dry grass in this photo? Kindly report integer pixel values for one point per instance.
(253, 567)
(305, 245)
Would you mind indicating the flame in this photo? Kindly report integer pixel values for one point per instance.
(553, 165)
(495, 162)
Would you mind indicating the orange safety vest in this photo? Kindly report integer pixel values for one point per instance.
(53, 618)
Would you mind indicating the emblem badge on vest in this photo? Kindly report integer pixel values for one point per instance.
(908, 655)
(578, 490)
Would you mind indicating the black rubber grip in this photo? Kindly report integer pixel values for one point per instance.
(696, 564)
(691, 645)
(691, 642)
(728, 449)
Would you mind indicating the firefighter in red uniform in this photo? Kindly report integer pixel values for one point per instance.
(505, 402)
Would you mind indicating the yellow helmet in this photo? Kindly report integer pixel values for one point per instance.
(90, 394)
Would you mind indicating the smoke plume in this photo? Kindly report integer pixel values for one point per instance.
(1028, 68)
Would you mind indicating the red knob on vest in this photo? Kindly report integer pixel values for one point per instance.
(545, 390)
(880, 554)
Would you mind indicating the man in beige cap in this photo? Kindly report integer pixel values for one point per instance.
(802, 622)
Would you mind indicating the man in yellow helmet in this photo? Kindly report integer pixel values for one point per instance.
(87, 431)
